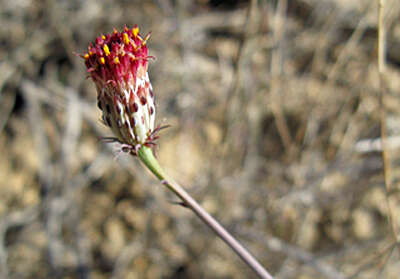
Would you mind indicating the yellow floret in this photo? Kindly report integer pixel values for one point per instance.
(116, 60)
(126, 39)
(102, 60)
(86, 56)
(135, 31)
(106, 50)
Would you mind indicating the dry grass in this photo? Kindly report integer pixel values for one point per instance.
(275, 115)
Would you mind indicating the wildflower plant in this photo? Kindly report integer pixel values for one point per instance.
(118, 63)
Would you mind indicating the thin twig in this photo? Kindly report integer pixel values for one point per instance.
(384, 135)
(276, 69)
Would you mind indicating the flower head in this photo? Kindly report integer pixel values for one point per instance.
(117, 63)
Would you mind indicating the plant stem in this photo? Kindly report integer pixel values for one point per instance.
(147, 157)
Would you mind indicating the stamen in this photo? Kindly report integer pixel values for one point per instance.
(126, 39)
(106, 50)
(135, 31)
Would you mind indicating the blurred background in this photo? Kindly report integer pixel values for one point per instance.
(275, 130)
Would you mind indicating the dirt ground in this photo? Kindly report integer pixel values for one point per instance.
(275, 118)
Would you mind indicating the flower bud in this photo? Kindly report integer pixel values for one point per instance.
(117, 63)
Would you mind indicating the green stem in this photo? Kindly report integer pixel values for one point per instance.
(147, 157)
